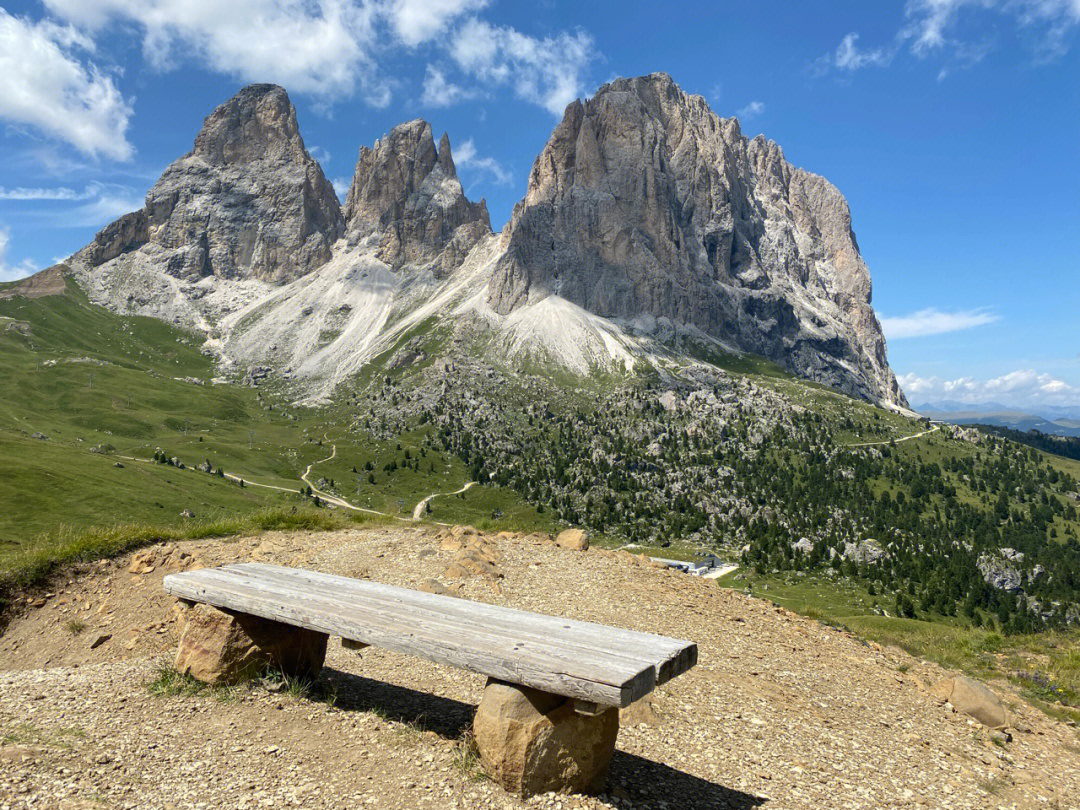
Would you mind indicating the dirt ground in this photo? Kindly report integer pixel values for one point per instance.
(781, 712)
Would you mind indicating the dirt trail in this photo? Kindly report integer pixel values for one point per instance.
(418, 510)
(781, 711)
(897, 441)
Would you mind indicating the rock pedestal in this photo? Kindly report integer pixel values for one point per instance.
(973, 699)
(218, 646)
(533, 742)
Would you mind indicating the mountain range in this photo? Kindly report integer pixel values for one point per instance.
(652, 233)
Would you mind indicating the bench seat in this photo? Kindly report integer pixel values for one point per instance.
(592, 663)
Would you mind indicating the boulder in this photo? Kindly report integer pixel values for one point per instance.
(973, 699)
(576, 539)
(218, 646)
(533, 742)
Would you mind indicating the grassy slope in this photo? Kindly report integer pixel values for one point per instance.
(85, 377)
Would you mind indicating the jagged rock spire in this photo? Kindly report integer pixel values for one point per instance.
(406, 193)
(247, 201)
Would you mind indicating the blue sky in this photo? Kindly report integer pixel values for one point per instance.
(952, 126)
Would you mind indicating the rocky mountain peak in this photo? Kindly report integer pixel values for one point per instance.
(247, 202)
(406, 193)
(647, 208)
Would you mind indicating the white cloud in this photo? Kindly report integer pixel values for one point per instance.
(751, 110)
(106, 207)
(12, 272)
(465, 156)
(934, 322)
(932, 30)
(341, 186)
(439, 92)
(849, 57)
(417, 21)
(320, 155)
(44, 85)
(323, 47)
(547, 71)
(58, 193)
(1023, 388)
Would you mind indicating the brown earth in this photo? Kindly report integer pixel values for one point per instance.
(49, 281)
(781, 712)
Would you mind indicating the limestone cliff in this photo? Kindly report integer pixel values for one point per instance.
(646, 207)
(407, 193)
(247, 202)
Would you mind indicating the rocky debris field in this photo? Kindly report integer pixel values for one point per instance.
(781, 712)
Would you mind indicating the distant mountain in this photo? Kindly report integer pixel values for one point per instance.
(1055, 422)
(651, 228)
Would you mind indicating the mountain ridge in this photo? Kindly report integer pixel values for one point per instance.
(720, 243)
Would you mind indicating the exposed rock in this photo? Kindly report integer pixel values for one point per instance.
(39, 435)
(973, 699)
(223, 647)
(999, 572)
(648, 208)
(49, 281)
(866, 552)
(187, 513)
(408, 194)
(533, 742)
(247, 202)
(576, 539)
(255, 375)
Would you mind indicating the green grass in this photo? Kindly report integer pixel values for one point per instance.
(88, 378)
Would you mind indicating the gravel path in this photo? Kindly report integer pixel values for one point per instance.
(781, 712)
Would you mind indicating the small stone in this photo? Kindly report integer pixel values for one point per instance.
(100, 639)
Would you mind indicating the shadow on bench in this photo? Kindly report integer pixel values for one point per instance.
(643, 781)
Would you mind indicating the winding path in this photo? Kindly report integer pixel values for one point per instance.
(934, 429)
(334, 500)
(418, 510)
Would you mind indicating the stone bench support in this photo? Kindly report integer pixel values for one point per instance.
(533, 742)
(225, 647)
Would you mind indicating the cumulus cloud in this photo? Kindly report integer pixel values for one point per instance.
(46, 83)
(440, 92)
(932, 28)
(321, 47)
(1023, 388)
(417, 21)
(751, 110)
(10, 272)
(548, 71)
(465, 156)
(934, 322)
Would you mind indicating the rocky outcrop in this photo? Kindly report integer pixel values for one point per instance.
(973, 699)
(648, 208)
(407, 193)
(247, 202)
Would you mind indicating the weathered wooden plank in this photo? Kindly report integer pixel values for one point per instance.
(669, 654)
(541, 669)
(585, 637)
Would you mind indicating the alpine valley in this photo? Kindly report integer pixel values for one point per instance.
(671, 344)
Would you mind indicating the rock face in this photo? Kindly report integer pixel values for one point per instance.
(532, 742)
(407, 193)
(247, 202)
(219, 647)
(648, 208)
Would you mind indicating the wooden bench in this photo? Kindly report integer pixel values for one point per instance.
(555, 685)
